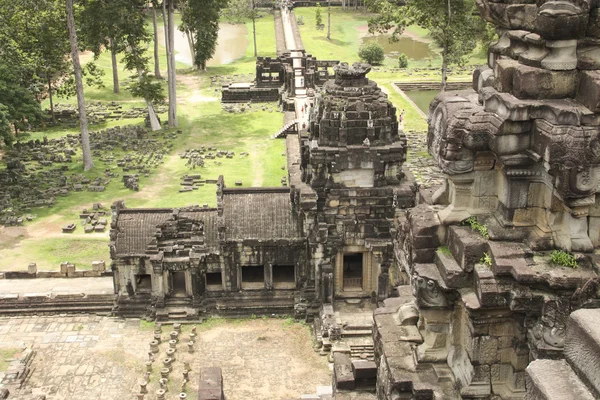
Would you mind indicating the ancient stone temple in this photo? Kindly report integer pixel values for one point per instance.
(279, 250)
(486, 291)
(352, 183)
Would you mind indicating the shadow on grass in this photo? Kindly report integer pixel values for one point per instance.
(336, 42)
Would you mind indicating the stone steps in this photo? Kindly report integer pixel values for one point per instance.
(576, 377)
(554, 380)
(284, 130)
(362, 352)
(46, 305)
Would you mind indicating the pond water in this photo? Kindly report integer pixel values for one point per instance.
(414, 49)
(422, 98)
(231, 45)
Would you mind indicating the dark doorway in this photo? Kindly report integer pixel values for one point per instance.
(143, 283)
(284, 277)
(179, 284)
(353, 271)
(253, 277)
(214, 281)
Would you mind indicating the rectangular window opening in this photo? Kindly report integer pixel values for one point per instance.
(284, 277)
(143, 283)
(214, 281)
(253, 277)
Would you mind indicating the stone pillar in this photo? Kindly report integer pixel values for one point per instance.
(144, 387)
(154, 346)
(32, 268)
(171, 354)
(190, 346)
(160, 394)
(269, 276)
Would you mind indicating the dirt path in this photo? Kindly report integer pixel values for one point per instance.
(257, 171)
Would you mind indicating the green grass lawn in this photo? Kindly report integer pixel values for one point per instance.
(5, 355)
(203, 123)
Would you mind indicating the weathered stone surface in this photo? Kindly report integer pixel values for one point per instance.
(554, 380)
(343, 376)
(582, 346)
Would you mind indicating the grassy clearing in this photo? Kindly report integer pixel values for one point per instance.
(203, 123)
(5, 355)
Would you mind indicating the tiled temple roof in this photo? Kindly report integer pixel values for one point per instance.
(259, 213)
(136, 227)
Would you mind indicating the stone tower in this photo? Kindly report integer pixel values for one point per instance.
(521, 155)
(525, 146)
(351, 159)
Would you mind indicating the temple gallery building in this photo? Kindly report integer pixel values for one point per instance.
(287, 249)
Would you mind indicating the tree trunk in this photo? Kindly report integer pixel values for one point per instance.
(445, 52)
(50, 98)
(444, 66)
(172, 73)
(85, 137)
(328, 19)
(166, 25)
(156, 58)
(344, 5)
(254, 28)
(190, 39)
(115, 68)
(154, 124)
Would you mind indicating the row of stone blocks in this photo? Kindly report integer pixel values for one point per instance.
(67, 270)
(351, 374)
(577, 377)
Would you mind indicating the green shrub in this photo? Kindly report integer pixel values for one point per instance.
(402, 61)
(372, 53)
(564, 259)
(318, 17)
(476, 226)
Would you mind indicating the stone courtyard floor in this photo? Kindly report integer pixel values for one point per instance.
(92, 357)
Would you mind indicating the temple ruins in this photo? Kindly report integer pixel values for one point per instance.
(487, 287)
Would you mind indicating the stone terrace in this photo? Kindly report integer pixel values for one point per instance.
(103, 358)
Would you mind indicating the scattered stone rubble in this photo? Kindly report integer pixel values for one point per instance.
(17, 373)
(37, 171)
(99, 112)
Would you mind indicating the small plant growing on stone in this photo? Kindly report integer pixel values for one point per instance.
(477, 226)
(486, 259)
(402, 61)
(444, 250)
(560, 257)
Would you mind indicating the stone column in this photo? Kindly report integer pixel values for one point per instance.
(269, 276)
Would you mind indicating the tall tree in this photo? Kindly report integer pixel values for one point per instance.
(328, 19)
(39, 32)
(453, 25)
(157, 74)
(85, 138)
(169, 11)
(201, 18)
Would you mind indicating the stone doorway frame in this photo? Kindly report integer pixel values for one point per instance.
(367, 273)
(170, 284)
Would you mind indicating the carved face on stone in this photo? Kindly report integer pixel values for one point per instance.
(447, 145)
